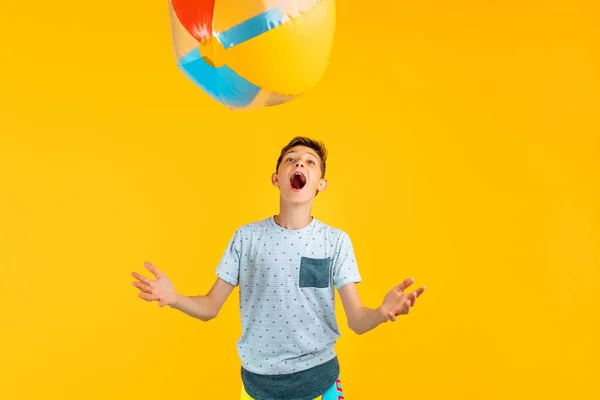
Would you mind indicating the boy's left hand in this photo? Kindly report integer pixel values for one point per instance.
(396, 302)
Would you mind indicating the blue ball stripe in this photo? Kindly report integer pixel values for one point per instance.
(222, 84)
(251, 28)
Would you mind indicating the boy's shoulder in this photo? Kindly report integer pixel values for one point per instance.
(255, 225)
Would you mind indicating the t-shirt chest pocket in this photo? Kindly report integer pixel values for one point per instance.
(314, 272)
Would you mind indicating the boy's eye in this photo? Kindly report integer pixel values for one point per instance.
(289, 159)
(311, 162)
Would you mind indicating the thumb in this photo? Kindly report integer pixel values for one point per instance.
(161, 300)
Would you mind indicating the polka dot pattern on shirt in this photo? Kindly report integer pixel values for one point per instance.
(287, 327)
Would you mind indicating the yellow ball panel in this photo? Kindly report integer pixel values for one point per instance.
(291, 58)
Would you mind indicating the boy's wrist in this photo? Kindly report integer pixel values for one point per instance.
(176, 300)
(382, 313)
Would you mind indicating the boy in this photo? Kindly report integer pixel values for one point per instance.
(286, 267)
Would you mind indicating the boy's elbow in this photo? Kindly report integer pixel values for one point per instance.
(356, 329)
(209, 315)
(206, 318)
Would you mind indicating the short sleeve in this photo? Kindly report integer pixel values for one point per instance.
(228, 268)
(345, 269)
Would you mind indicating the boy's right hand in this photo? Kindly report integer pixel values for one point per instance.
(160, 290)
(397, 302)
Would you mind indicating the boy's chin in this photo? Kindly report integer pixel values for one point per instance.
(297, 197)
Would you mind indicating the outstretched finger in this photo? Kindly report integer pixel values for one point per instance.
(413, 299)
(141, 278)
(405, 284)
(406, 307)
(148, 297)
(143, 288)
(420, 291)
(153, 269)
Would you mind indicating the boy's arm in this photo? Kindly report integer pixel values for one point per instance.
(205, 307)
(362, 319)
(161, 290)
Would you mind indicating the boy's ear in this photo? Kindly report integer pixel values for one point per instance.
(322, 185)
(275, 180)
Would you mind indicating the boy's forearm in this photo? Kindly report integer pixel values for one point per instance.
(366, 319)
(200, 307)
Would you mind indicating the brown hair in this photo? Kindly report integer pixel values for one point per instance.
(316, 145)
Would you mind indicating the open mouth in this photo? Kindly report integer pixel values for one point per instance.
(297, 181)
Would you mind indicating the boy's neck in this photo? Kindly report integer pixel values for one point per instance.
(294, 216)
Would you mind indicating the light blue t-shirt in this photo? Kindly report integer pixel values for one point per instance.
(286, 281)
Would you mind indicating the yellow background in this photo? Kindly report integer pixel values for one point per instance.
(465, 151)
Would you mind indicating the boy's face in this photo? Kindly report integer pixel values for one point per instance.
(299, 176)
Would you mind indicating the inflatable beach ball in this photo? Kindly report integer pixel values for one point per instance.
(249, 54)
